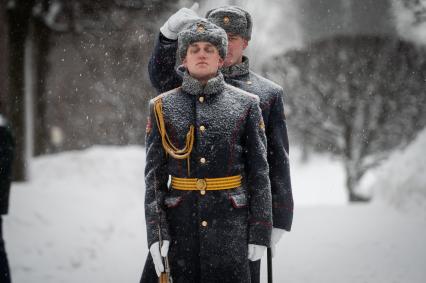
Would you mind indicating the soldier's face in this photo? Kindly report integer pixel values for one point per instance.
(202, 60)
(236, 47)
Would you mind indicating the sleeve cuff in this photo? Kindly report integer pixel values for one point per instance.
(260, 233)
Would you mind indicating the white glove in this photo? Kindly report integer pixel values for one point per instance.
(179, 20)
(277, 233)
(157, 255)
(255, 252)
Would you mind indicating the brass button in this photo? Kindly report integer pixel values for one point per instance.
(203, 192)
(249, 82)
(202, 128)
(201, 99)
(204, 223)
(202, 160)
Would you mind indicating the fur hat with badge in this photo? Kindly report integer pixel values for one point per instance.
(232, 19)
(202, 30)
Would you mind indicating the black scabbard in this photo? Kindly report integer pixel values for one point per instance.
(269, 258)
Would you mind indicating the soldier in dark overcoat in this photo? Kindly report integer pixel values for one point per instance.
(238, 25)
(209, 138)
(6, 159)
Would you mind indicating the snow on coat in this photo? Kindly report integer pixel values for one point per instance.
(164, 77)
(209, 232)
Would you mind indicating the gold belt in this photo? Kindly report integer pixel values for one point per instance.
(209, 184)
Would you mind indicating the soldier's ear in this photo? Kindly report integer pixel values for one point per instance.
(184, 63)
(245, 43)
(220, 63)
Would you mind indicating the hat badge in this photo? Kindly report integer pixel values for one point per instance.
(226, 20)
(200, 28)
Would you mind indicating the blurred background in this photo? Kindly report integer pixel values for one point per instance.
(74, 86)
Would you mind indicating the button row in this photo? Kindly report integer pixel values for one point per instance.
(202, 159)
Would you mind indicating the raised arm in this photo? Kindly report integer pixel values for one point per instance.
(161, 66)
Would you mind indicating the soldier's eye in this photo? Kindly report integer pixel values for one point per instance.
(194, 49)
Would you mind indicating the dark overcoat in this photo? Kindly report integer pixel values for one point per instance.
(6, 158)
(209, 232)
(164, 77)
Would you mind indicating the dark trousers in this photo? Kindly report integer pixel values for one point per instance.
(4, 264)
(255, 271)
(149, 275)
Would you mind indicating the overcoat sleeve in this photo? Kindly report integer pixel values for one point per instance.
(156, 178)
(260, 210)
(279, 166)
(161, 66)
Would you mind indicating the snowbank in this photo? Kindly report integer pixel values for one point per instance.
(79, 217)
(401, 179)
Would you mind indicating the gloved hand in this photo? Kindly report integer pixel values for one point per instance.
(255, 252)
(179, 20)
(157, 255)
(277, 233)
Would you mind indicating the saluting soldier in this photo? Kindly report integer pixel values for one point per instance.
(209, 138)
(236, 70)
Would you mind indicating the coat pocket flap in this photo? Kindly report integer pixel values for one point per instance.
(238, 200)
(172, 201)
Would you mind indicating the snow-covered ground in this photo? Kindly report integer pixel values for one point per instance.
(81, 219)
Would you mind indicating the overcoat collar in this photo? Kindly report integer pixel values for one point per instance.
(193, 86)
(237, 69)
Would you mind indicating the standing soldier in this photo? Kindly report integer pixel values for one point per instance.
(6, 158)
(238, 25)
(209, 137)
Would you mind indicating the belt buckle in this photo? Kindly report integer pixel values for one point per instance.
(201, 184)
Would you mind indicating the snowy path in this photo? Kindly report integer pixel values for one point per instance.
(352, 244)
(80, 219)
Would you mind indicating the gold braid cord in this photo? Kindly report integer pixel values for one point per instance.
(174, 152)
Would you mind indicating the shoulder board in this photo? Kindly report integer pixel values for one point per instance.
(244, 92)
(270, 83)
(165, 94)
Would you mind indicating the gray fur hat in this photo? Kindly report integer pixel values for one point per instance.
(232, 19)
(203, 30)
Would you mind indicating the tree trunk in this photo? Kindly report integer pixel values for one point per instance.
(353, 176)
(353, 162)
(18, 18)
(40, 34)
(4, 94)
